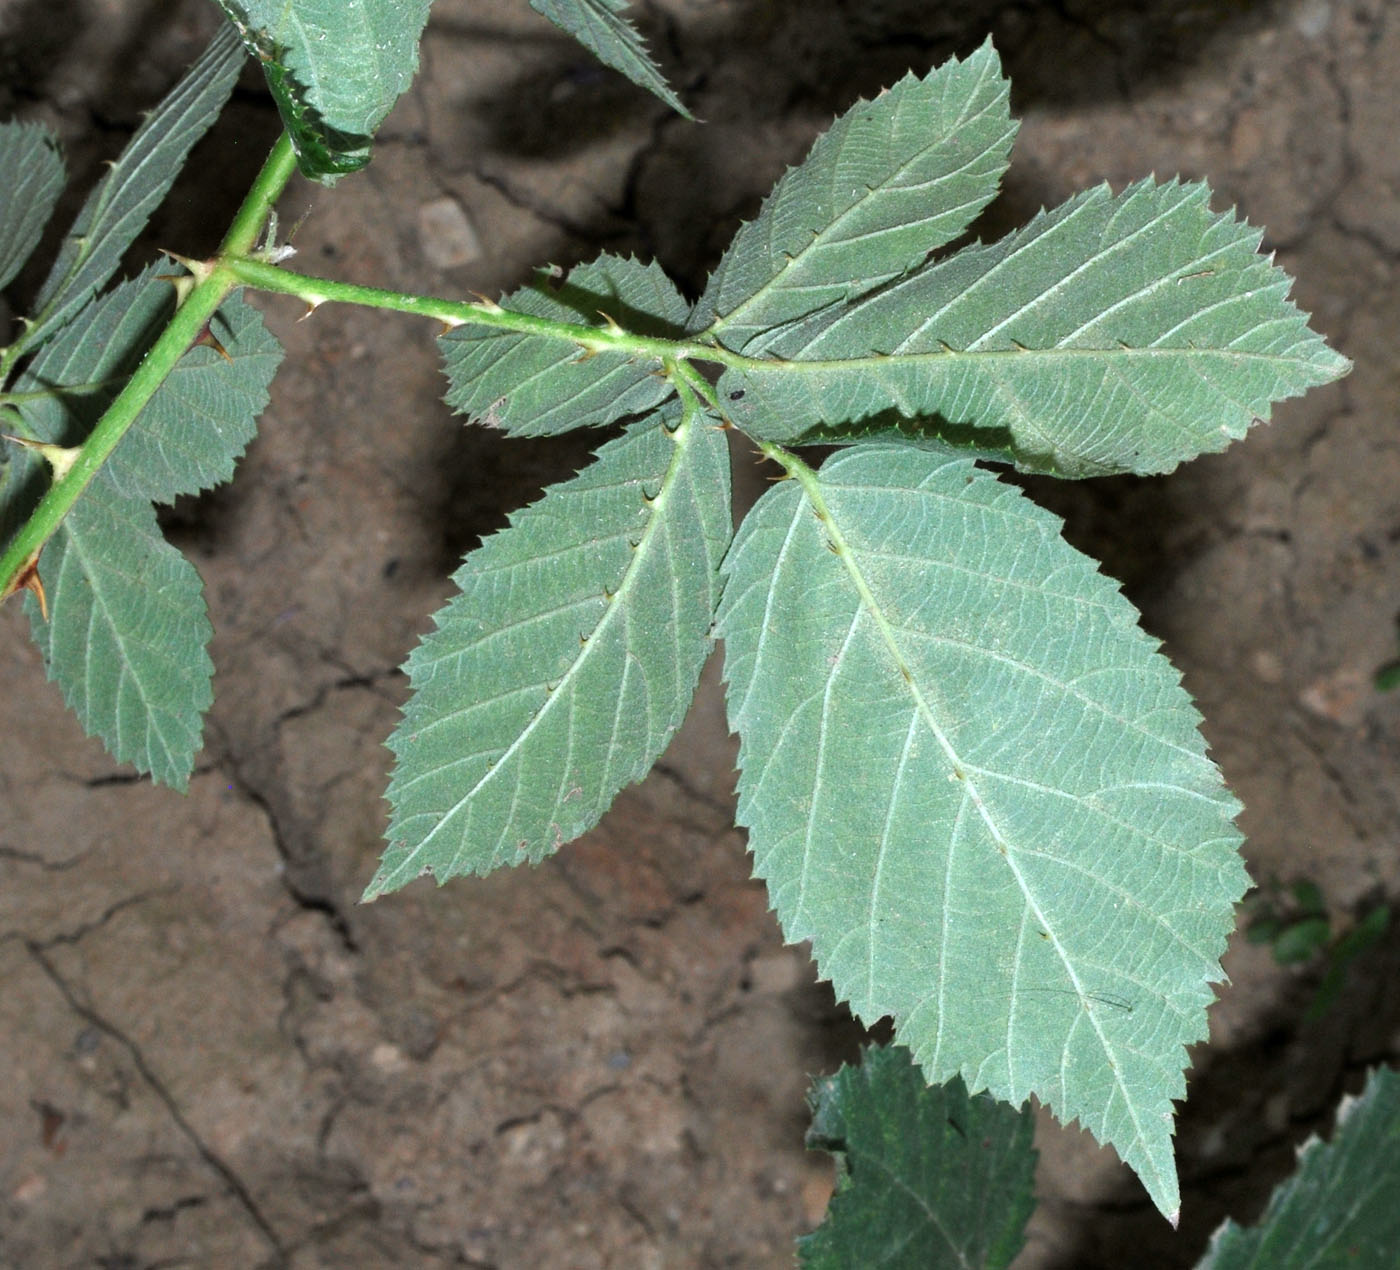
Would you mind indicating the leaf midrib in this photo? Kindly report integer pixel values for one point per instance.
(826, 235)
(811, 486)
(100, 609)
(875, 361)
(681, 439)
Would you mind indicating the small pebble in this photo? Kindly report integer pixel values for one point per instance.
(446, 235)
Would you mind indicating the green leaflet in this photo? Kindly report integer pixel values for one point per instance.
(1114, 334)
(31, 177)
(335, 68)
(200, 421)
(973, 783)
(1338, 1210)
(928, 1177)
(119, 207)
(127, 633)
(201, 418)
(596, 25)
(540, 385)
(889, 182)
(561, 669)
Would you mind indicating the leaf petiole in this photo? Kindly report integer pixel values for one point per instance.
(315, 291)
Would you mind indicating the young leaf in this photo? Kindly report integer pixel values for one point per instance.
(31, 176)
(890, 181)
(540, 385)
(972, 781)
(117, 210)
(335, 68)
(568, 659)
(613, 40)
(127, 633)
(1338, 1210)
(1114, 334)
(928, 1177)
(200, 419)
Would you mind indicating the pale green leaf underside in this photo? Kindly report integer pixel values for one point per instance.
(611, 38)
(31, 177)
(203, 416)
(118, 209)
(1338, 1211)
(928, 1177)
(537, 385)
(23, 480)
(335, 68)
(972, 781)
(889, 182)
(200, 419)
(1113, 334)
(561, 669)
(127, 635)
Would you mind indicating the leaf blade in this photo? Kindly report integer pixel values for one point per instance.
(31, 177)
(118, 209)
(198, 422)
(1338, 1210)
(891, 180)
(1020, 756)
(928, 1176)
(1114, 334)
(539, 385)
(335, 69)
(565, 662)
(613, 40)
(203, 416)
(126, 639)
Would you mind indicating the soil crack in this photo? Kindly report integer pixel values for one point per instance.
(230, 1178)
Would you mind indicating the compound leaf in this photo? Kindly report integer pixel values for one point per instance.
(31, 177)
(972, 781)
(335, 69)
(1114, 334)
(200, 419)
(540, 385)
(127, 633)
(927, 1176)
(117, 210)
(1338, 1210)
(891, 180)
(600, 28)
(559, 672)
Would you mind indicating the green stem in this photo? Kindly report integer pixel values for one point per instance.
(796, 468)
(248, 221)
(687, 378)
(211, 288)
(314, 292)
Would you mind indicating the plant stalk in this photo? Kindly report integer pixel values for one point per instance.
(211, 287)
(315, 291)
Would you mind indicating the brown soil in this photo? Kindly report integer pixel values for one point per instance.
(215, 1057)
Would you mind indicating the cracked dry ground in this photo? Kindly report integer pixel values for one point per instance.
(215, 1057)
